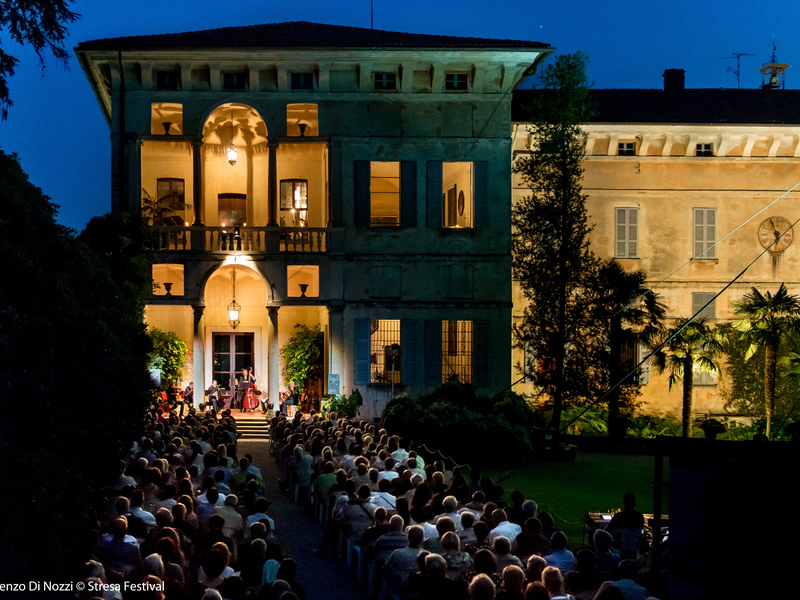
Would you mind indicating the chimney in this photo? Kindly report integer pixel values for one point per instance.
(674, 80)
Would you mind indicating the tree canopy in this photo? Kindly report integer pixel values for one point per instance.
(39, 23)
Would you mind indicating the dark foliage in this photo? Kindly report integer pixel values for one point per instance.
(462, 424)
(73, 374)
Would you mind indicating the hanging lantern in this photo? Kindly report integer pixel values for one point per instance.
(232, 152)
(233, 307)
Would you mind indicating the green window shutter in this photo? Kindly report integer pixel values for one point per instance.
(626, 222)
(362, 334)
(481, 193)
(480, 353)
(433, 353)
(705, 231)
(699, 300)
(434, 194)
(361, 186)
(409, 344)
(408, 193)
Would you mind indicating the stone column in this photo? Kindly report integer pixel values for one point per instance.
(198, 205)
(134, 168)
(272, 193)
(273, 357)
(335, 218)
(198, 355)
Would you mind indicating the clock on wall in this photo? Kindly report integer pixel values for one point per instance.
(771, 230)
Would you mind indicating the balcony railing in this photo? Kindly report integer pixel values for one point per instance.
(246, 240)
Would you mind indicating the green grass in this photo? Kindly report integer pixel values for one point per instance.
(594, 482)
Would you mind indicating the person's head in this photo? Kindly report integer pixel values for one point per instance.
(451, 541)
(546, 520)
(436, 566)
(211, 594)
(479, 497)
(444, 525)
(501, 545)
(119, 528)
(449, 504)
(123, 505)
(514, 579)
(380, 515)
(586, 560)
(153, 565)
(481, 530)
(628, 500)
(529, 507)
(533, 526)
(485, 561)
(212, 495)
(288, 569)
(534, 567)
(163, 517)
(628, 569)
(258, 531)
(214, 383)
(231, 500)
(364, 492)
(553, 580)
(467, 519)
(396, 523)
(216, 522)
(498, 516)
(602, 540)
(517, 498)
(482, 587)
(536, 591)
(415, 536)
(165, 548)
(558, 541)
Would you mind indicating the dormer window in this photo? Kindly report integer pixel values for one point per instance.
(626, 149)
(705, 150)
(234, 81)
(302, 81)
(168, 80)
(385, 81)
(455, 81)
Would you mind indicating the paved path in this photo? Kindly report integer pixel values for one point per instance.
(298, 533)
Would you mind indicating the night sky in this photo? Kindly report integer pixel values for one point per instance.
(62, 140)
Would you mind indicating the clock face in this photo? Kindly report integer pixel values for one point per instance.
(771, 230)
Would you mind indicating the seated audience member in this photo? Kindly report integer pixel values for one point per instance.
(628, 572)
(559, 555)
(482, 588)
(554, 582)
(272, 564)
(536, 591)
(138, 511)
(475, 506)
(485, 562)
(433, 583)
(379, 527)
(458, 561)
(531, 541)
(513, 586)
(586, 579)
(251, 565)
(116, 553)
(287, 572)
(358, 514)
(392, 540)
(534, 568)
(502, 526)
(502, 549)
(260, 513)
(606, 558)
(233, 520)
(402, 562)
(214, 568)
(515, 512)
(548, 526)
(466, 534)
(481, 542)
(449, 505)
(443, 526)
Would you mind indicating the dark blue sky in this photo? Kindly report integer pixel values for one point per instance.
(57, 129)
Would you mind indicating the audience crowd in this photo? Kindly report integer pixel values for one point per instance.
(188, 520)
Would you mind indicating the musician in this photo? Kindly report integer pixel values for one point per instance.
(214, 395)
(188, 398)
(247, 377)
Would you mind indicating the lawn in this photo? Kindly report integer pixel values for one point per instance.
(593, 483)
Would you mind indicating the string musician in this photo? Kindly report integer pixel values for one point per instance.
(247, 400)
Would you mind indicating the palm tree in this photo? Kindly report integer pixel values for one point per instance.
(691, 346)
(765, 320)
(631, 314)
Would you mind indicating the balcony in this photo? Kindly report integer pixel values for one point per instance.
(243, 240)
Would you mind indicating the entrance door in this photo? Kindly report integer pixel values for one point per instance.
(232, 353)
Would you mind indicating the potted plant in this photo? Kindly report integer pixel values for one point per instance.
(302, 358)
(712, 428)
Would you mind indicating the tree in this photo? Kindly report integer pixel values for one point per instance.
(170, 352)
(74, 351)
(40, 23)
(765, 320)
(628, 314)
(302, 356)
(692, 346)
(550, 238)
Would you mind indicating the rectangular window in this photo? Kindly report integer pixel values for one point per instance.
(384, 193)
(626, 149)
(385, 361)
(627, 232)
(699, 300)
(457, 351)
(455, 81)
(232, 210)
(236, 80)
(705, 232)
(170, 202)
(457, 186)
(302, 81)
(704, 150)
(294, 199)
(168, 80)
(385, 81)
(703, 378)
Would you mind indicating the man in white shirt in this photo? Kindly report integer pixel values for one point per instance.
(502, 526)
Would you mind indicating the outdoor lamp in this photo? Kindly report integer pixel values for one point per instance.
(233, 153)
(233, 307)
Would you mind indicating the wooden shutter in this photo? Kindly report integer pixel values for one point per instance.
(434, 195)
(644, 370)
(481, 198)
(627, 232)
(408, 193)
(480, 353)
(362, 335)
(433, 353)
(409, 342)
(699, 300)
(705, 231)
(361, 186)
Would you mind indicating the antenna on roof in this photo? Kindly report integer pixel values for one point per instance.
(737, 71)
